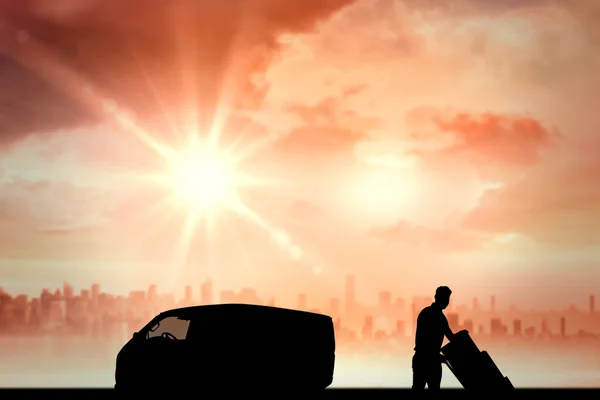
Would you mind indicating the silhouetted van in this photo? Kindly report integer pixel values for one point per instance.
(229, 346)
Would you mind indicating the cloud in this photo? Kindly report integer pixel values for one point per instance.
(31, 105)
(508, 57)
(134, 49)
(486, 138)
(327, 141)
(41, 205)
(432, 239)
(556, 202)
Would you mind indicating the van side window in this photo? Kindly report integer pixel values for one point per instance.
(171, 327)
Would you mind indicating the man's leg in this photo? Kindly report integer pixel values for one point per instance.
(434, 378)
(419, 375)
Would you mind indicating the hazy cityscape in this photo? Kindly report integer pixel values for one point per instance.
(70, 333)
(94, 313)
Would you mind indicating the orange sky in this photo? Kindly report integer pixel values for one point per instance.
(408, 142)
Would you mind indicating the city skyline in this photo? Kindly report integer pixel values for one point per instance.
(68, 330)
(398, 313)
(348, 295)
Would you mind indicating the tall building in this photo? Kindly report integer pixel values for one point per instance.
(545, 329)
(334, 306)
(400, 328)
(350, 293)
(85, 295)
(563, 327)
(418, 304)
(302, 301)
(152, 293)
(367, 331)
(497, 329)
(385, 301)
(337, 324)
(493, 304)
(227, 296)
(399, 305)
(531, 332)
(517, 327)
(468, 325)
(188, 295)
(95, 294)
(475, 305)
(67, 291)
(248, 295)
(69, 296)
(206, 292)
(453, 321)
(592, 304)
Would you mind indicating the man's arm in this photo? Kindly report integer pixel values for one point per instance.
(447, 331)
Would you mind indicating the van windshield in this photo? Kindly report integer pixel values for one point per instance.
(171, 328)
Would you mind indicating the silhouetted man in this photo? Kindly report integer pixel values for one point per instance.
(432, 326)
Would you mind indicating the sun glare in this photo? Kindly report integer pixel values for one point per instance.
(198, 180)
(204, 181)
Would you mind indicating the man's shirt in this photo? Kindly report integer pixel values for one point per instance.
(432, 326)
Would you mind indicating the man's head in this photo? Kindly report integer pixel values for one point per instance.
(442, 296)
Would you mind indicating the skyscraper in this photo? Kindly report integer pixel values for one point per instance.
(302, 301)
(152, 293)
(418, 304)
(475, 305)
(468, 325)
(67, 291)
(385, 301)
(493, 304)
(592, 304)
(453, 321)
(334, 306)
(545, 329)
(496, 327)
(367, 331)
(206, 292)
(188, 295)
(399, 305)
(350, 293)
(400, 328)
(517, 327)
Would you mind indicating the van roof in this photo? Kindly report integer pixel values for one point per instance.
(252, 310)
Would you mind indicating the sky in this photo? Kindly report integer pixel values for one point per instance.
(410, 143)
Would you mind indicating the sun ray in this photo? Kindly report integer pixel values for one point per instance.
(238, 243)
(165, 208)
(209, 229)
(236, 149)
(34, 56)
(129, 125)
(183, 245)
(258, 145)
(281, 238)
(230, 90)
(158, 98)
(188, 51)
(184, 168)
(222, 112)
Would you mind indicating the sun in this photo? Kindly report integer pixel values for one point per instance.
(203, 181)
